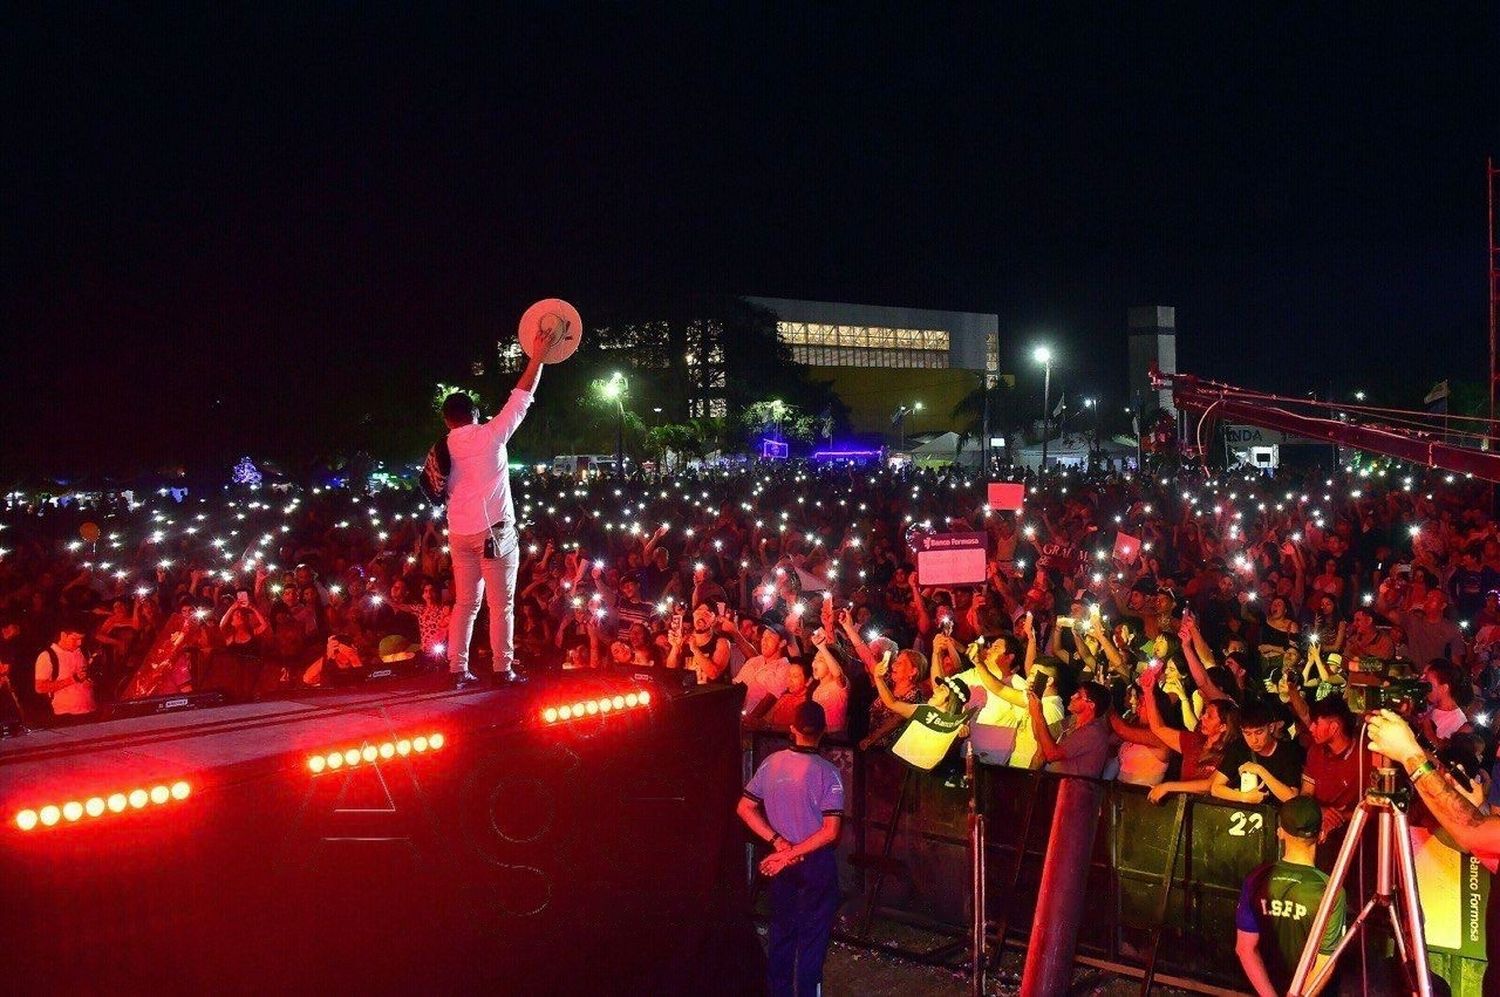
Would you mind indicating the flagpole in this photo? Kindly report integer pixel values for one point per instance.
(1046, 409)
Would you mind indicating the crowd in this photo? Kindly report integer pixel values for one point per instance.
(1187, 634)
(1226, 616)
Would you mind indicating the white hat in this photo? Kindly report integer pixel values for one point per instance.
(546, 315)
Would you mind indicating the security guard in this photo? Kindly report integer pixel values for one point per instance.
(795, 803)
(1279, 900)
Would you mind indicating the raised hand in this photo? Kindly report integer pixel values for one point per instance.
(550, 338)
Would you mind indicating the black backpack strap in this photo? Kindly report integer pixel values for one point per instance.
(56, 667)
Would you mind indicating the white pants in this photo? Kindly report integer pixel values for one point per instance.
(494, 579)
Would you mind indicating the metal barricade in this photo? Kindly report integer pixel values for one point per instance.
(1164, 879)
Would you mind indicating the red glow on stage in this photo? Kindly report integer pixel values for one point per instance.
(73, 811)
(369, 753)
(594, 707)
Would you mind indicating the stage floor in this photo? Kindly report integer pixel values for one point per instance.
(242, 740)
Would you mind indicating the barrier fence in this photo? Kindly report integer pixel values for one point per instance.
(1141, 918)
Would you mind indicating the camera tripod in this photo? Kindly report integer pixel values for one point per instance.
(1395, 885)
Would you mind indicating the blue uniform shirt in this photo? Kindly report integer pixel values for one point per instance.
(797, 787)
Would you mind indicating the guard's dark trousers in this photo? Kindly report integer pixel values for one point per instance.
(804, 900)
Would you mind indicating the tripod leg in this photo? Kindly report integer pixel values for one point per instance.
(1411, 907)
(1398, 930)
(1347, 851)
(1344, 940)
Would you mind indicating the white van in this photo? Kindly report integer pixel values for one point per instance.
(586, 465)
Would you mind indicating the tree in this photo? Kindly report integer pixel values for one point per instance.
(778, 420)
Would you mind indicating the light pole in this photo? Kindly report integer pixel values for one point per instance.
(1043, 356)
(614, 390)
(902, 411)
(984, 424)
(1093, 408)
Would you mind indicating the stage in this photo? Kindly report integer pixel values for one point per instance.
(573, 833)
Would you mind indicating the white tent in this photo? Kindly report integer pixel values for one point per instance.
(1070, 451)
(944, 449)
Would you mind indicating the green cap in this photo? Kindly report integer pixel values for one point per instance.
(1301, 817)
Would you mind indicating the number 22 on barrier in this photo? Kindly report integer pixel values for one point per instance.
(1241, 823)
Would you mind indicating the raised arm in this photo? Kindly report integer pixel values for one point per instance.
(896, 706)
(858, 642)
(1190, 637)
(924, 619)
(1050, 749)
(1132, 733)
(1169, 736)
(1027, 631)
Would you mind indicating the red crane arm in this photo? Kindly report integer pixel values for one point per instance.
(1189, 392)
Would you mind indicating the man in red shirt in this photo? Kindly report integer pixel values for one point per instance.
(1334, 768)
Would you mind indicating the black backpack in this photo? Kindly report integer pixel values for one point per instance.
(433, 481)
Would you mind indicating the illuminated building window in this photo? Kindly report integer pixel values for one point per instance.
(992, 352)
(511, 355)
(823, 345)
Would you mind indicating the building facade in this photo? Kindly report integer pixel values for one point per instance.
(1153, 339)
(881, 359)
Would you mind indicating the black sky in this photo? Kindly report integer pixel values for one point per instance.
(210, 216)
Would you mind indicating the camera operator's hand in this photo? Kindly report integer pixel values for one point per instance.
(1477, 793)
(1390, 736)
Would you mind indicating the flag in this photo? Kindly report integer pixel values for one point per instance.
(1062, 403)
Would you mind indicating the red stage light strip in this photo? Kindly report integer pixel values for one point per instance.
(73, 811)
(594, 707)
(368, 753)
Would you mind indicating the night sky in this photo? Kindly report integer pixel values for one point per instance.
(210, 218)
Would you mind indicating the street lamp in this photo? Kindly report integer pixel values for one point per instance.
(1359, 396)
(1043, 356)
(614, 390)
(1090, 404)
(899, 419)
